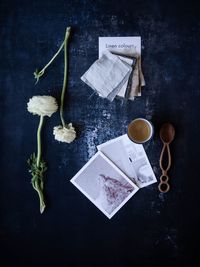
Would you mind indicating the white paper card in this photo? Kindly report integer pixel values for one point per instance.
(130, 158)
(128, 46)
(105, 185)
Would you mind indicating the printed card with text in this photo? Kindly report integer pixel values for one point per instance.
(128, 46)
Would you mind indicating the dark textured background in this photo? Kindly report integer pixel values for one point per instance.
(151, 229)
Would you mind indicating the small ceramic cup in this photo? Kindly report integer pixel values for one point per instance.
(140, 130)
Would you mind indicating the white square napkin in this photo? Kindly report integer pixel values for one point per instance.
(107, 75)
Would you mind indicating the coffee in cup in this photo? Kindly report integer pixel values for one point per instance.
(140, 130)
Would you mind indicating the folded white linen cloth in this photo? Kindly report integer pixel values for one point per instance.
(107, 75)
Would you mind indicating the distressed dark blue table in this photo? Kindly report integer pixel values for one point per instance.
(152, 229)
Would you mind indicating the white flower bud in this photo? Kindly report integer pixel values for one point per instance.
(65, 134)
(42, 105)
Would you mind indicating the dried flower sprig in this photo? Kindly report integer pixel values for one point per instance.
(41, 106)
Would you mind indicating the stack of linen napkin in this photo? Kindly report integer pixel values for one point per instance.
(118, 71)
(108, 75)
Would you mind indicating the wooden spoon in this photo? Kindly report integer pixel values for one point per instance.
(167, 134)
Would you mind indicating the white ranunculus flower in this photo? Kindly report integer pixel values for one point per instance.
(65, 134)
(42, 105)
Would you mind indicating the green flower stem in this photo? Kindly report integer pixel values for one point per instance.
(38, 185)
(39, 149)
(39, 74)
(39, 190)
(67, 34)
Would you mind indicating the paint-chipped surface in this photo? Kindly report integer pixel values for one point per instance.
(153, 229)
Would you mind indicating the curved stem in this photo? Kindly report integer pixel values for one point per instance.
(67, 34)
(56, 54)
(39, 149)
(38, 74)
